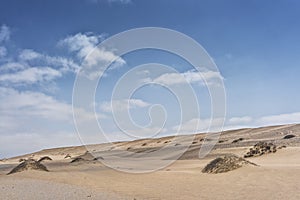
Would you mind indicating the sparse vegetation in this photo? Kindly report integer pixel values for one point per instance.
(30, 164)
(237, 140)
(289, 136)
(261, 148)
(225, 164)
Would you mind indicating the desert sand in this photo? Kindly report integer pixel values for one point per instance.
(276, 176)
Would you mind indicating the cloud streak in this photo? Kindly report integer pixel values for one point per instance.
(123, 105)
(190, 77)
(4, 33)
(31, 75)
(204, 125)
(92, 57)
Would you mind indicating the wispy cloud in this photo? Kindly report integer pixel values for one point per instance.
(4, 33)
(28, 104)
(240, 120)
(208, 77)
(81, 43)
(112, 1)
(198, 125)
(30, 117)
(61, 63)
(30, 67)
(31, 75)
(120, 1)
(123, 105)
(190, 127)
(34, 68)
(4, 36)
(85, 47)
(288, 118)
(3, 51)
(84, 44)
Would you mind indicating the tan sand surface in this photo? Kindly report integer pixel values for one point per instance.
(276, 177)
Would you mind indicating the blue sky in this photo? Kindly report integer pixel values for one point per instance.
(255, 45)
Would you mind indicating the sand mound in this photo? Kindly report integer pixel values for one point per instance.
(289, 136)
(44, 158)
(75, 160)
(261, 148)
(225, 164)
(87, 156)
(29, 164)
(237, 140)
(67, 156)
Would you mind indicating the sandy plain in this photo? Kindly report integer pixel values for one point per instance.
(277, 175)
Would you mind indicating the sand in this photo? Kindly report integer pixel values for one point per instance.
(30, 189)
(277, 175)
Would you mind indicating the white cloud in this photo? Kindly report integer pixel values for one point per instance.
(207, 77)
(13, 67)
(29, 142)
(247, 121)
(135, 134)
(31, 75)
(190, 127)
(82, 44)
(3, 51)
(120, 1)
(32, 67)
(197, 125)
(4, 33)
(28, 117)
(85, 47)
(60, 63)
(35, 68)
(4, 36)
(28, 104)
(240, 120)
(28, 54)
(112, 1)
(289, 118)
(18, 105)
(123, 105)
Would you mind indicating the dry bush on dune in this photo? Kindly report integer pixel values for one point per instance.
(225, 164)
(289, 136)
(237, 140)
(261, 148)
(30, 164)
(77, 160)
(44, 158)
(87, 156)
(67, 156)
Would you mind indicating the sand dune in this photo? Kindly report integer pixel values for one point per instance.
(276, 176)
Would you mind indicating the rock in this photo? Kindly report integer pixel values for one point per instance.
(289, 136)
(261, 148)
(29, 164)
(77, 160)
(87, 156)
(67, 156)
(225, 164)
(237, 140)
(281, 147)
(44, 158)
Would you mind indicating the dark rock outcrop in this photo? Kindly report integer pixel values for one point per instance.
(225, 164)
(289, 137)
(261, 148)
(29, 164)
